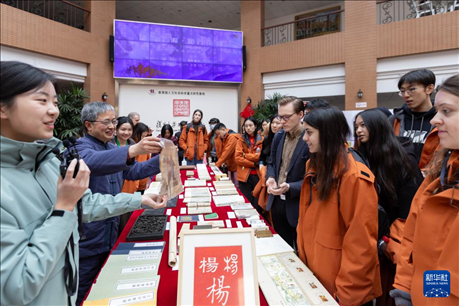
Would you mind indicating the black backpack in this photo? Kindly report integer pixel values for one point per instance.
(383, 218)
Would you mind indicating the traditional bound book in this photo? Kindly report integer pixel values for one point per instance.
(245, 213)
(227, 200)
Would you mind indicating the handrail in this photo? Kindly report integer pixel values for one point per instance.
(307, 18)
(74, 5)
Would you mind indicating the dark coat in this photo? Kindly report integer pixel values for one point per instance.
(296, 171)
(109, 169)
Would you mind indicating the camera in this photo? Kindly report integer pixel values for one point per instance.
(67, 156)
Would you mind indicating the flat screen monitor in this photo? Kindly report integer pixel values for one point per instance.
(169, 52)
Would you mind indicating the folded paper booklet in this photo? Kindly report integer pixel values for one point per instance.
(197, 199)
(203, 204)
(144, 298)
(216, 170)
(245, 213)
(211, 216)
(223, 184)
(227, 200)
(232, 191)
(117, 269)
(193, 218)
(214, 223)
(195, 183)
(241, 206)
(203, 174)
(154, 188)
(197, 192)
(158, 177)
(199, 210)
(112, 289)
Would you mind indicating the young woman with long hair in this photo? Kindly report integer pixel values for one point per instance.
(194, 140)
(395, 169)
(275, 125)
(261, 191)
(398, 178)
(168, 133)
(338, 219)
(248, 149)
(430, 239)
(39, 216)
(264, 128)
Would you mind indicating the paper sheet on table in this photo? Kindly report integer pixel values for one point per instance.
(171, 182)
(271, 245)
(172, 241)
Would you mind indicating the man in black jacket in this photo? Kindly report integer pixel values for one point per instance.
(412, 120)
(286, 169)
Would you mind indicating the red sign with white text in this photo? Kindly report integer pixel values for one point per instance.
(181, 107)
(218, 276)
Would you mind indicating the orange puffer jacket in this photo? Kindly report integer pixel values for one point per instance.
(226, 150)
(246, 157)
(430, 239)
(337, 237)
(189, 141)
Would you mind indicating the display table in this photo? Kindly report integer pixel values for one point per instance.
(168, 285)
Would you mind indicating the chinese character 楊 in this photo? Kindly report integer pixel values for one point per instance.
(210, 265)
(218, 292)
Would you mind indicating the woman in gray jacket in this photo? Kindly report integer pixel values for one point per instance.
(39, 230)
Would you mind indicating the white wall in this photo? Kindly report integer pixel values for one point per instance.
(308, 82)
(60, 68)
(157, 109)
(389, 70)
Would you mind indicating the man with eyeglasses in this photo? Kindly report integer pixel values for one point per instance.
(110, 166)
(413, 118)
(286, 169)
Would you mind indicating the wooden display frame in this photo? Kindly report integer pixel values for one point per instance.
(195, 242)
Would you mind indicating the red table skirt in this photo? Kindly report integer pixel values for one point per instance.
(167, 291)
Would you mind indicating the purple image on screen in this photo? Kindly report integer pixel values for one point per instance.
(197, 54)
(156, 51)
(132, 49)
(227, 73)
(165, 34)
(165, 52)
(167, 70)
(193, 71)
(228, 39)
(227, 56)
(199, 37)
(132, 31)
(129, 68)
